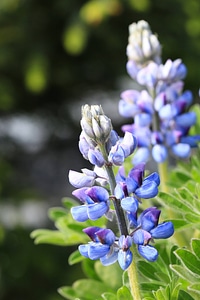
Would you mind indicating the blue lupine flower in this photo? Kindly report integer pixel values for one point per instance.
(133, 187)
(95, 203)
(107, 247)
(122, 149)
(161, 108)
(146, 228)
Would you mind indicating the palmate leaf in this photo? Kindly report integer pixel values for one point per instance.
(70, 232)
(189, 268)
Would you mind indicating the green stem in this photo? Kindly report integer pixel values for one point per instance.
(133, 277)
(163, 172)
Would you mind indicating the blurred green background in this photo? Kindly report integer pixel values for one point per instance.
(54, 56)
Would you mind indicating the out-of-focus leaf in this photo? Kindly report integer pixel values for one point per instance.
(75, 257)
(106, 273)
(195, 243)
(123, 293)
(190, 261)
(109, 296)
(183, 273)
(45, 236)
(184, 296)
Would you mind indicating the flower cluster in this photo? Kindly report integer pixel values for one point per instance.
(102, 193)
(161, 121)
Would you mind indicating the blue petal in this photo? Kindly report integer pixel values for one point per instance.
(109, 258)
(97, 250)
(141, 155)
(191, 140)
(138, 237)
(79, 213)
(116, 155)
(129, 204)
(148, 252)
(186, 120)
(125, 258)
(163, 230)
(119, 193)
(143, 119)
(181, 150)
(154, 177)
(96, 210)
(83, 249)
(96, 158)
(149, 189)
(159, 153)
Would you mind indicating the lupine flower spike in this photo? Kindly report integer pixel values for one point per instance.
(161, 122)
(99, 188)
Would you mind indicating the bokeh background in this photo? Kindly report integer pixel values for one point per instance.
(56, 55)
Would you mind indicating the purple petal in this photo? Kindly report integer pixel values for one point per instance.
(81, 195)
(106, 236)
(79, 213)
(163, 230)
(91, 232)
(97, 194)
(150, 219)
(148, 252)
(141, 237)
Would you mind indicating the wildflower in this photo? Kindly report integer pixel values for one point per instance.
(95, 203)
(107, 247)
(146, 228)
(133, 187)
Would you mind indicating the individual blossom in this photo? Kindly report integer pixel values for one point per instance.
(146, 229)
(135, 186)
(107, 247)
(95, 203)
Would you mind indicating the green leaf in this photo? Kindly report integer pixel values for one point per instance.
(57, 212)
(175, 292)
(183, 273)
(46, 236)
(151, 286)
(75, 257)
(180, 224)
(195, 243)
(189, 260)
(124, 294)
(162, 294)
(184, 296)
(68, 293)
(125, 279)
(147, 270)
(69, 202)
(106, 273)
(109, 296)
(89, 269)
(195, 288)
(91, 289)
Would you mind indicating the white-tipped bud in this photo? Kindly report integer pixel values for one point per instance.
(95, 124)
(143, 45)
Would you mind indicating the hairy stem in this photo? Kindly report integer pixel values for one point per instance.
(133, 277)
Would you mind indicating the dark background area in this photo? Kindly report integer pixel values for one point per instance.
(56, 55)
